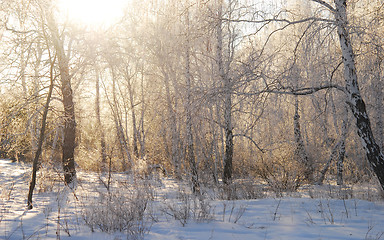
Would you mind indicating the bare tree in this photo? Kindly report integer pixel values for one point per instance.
(42, 132)
(355, 101)
(103, 153)
(40, 21)
(190, 154)
(68, 158)
(118, 121)
(223, 70)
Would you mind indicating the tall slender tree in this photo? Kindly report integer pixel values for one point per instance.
(42, 132)
(190, 152)
(103, 150)
(223, 68)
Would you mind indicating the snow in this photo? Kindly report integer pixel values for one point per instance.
(172, 213)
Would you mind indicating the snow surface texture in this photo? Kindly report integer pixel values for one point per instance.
(163, 209)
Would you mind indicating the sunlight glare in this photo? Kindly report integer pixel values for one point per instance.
(94, 13)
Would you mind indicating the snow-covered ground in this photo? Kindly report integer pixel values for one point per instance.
(163, 209)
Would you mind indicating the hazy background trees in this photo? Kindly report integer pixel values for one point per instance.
(204, 90)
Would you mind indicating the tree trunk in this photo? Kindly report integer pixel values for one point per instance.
(41, 139)
(34, 122)
(328, 164)
(103, 153)
(355, 101)
(190, 155)
(300, 152)
(123, 145)
(228, 157)
(175, 158)
(68, 159)
(379, 98)
(133, 114)
(340, 159)
(214, 145)
(339, 152)
(142, 133)
(340, 163)
(228, 132)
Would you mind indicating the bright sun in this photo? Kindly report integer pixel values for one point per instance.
(93, 13)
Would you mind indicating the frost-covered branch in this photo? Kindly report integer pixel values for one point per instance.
(307, 90)
(275, 19)
(295, 91)
(250, 139)
(325, 4)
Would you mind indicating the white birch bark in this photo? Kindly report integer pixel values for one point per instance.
(227, 89)
(355, 101)
(300, 152)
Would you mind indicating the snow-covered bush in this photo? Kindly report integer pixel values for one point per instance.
(124, 208)
(281, 170)
(5, 195)
(281, 174)
(188, 207)
(47, 178)
(241, 189)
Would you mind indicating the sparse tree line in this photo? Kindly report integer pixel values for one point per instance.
(287, 92)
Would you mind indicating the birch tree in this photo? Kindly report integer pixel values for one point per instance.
(190, 151)
(223, 74)
(355, 101)
(338, 13)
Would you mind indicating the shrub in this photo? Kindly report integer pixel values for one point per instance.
(124, 210)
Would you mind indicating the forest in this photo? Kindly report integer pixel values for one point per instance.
(244, 96)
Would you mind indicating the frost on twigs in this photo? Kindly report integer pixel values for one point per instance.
(123, 208)
(281, 172)
(188, 206)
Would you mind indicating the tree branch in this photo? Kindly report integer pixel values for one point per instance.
(325, 4)
(298, 91)
(309, 90)
(17, 31)
(250, 139)
(269, 20)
